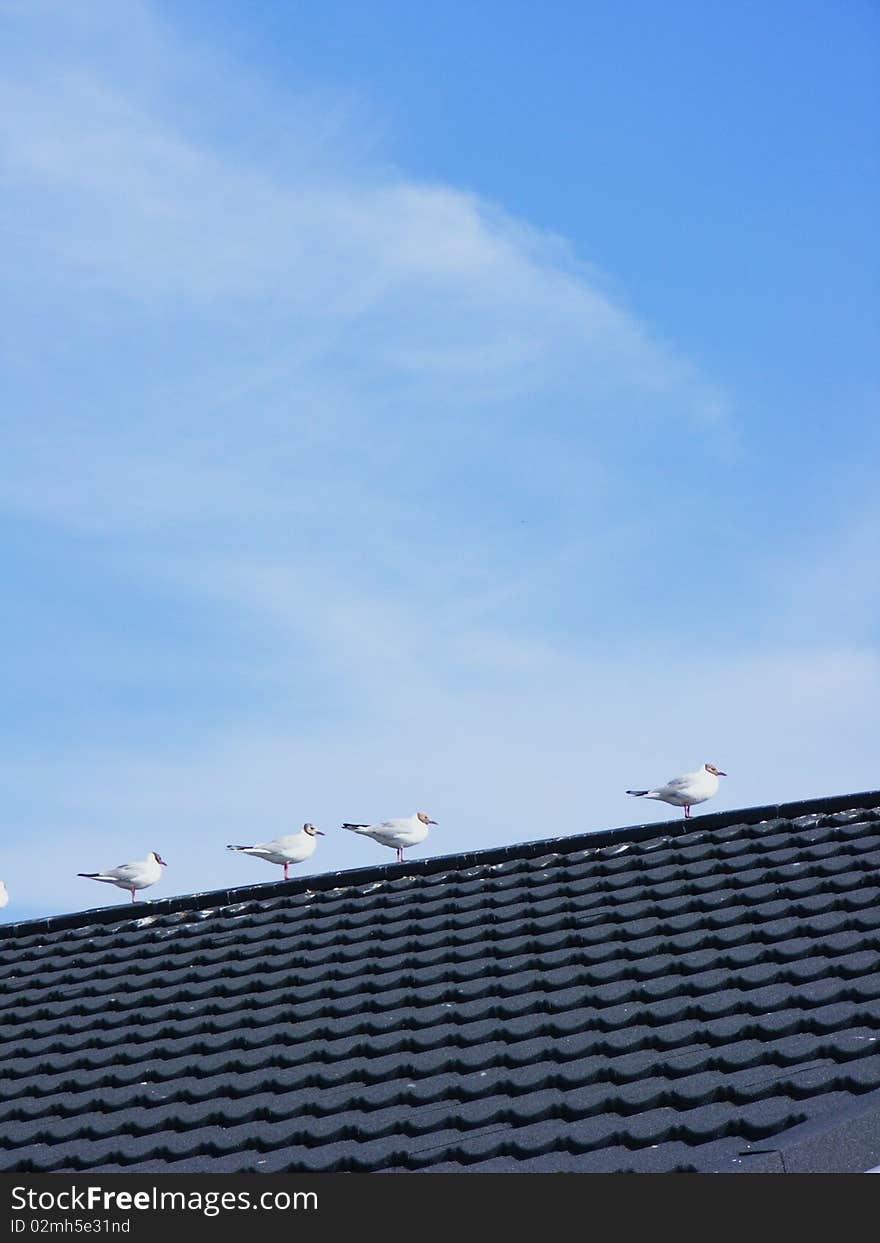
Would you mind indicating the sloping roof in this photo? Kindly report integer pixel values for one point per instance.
(664, 997)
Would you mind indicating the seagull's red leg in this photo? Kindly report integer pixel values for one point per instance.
(286, 873)
(400, 854)
(132, 895)
(687, 811)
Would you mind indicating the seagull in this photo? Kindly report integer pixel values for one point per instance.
(132, 876)
(292, 848)
(688, 790)
(4, 895)
(396, 833)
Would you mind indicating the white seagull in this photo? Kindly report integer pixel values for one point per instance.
(397, 834)
(4, 895)
(292, 848)
(688, 790)
(132, 876)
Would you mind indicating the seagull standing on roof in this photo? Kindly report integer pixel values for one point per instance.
(292, 848)
(4, 895)
(686, 791)
(132, 876)
(397, 834)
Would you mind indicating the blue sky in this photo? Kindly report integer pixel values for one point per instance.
(414, 406)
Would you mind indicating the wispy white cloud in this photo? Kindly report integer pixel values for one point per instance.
(422, 280)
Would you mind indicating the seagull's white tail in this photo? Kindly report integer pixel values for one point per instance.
(355, 828)
(110, 880)
(638, 793)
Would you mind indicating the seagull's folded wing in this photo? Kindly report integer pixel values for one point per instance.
(123, 872)
(677, 784)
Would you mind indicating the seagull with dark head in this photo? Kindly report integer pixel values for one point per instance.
(396, 834)
(132, 876)
(686, 791)
(292, 848)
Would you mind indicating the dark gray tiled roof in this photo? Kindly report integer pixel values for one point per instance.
(666, 997)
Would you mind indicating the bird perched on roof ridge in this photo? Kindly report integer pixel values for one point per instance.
(686, 791)
(396, 834)
(291, 848)
(132, 876)
(4, 895)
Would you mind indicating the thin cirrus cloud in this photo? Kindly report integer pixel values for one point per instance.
(405, 281)
(337, 320)
(388, 453)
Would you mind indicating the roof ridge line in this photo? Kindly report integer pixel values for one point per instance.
(355, 877)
